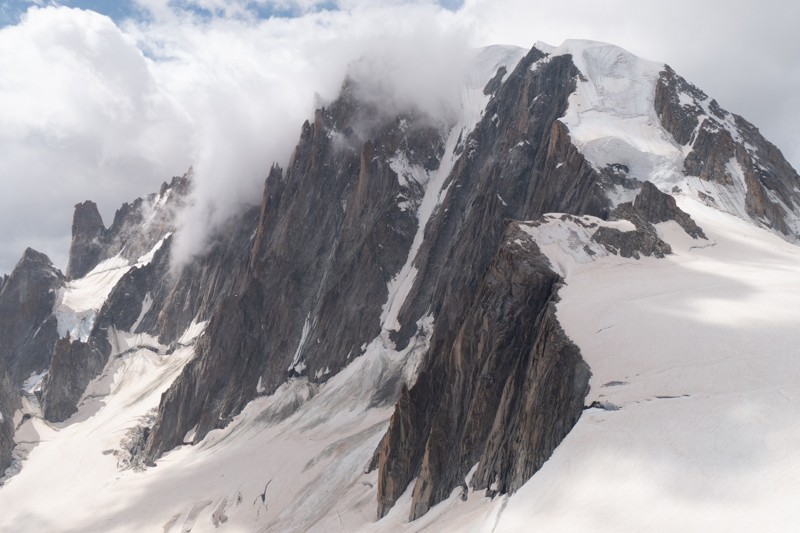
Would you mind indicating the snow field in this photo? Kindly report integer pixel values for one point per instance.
(696, 359)
(695, 364)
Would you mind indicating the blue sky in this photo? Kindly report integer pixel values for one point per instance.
(11, 10)
(119, 10)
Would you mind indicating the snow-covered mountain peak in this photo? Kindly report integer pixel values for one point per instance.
(427, 324)
(636, 120)
(614, 80)
(612, 118)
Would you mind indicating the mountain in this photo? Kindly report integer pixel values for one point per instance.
(573, 293)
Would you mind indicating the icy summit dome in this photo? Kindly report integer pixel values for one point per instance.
(639, 119)
(611, 116)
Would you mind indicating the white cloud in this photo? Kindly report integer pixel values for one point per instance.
(90, 109)
(80, 115)
(248, 86)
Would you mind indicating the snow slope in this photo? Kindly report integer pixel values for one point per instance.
(612, 120)
(80, 300)
(292, 461)
(696, 364)
(611, 117)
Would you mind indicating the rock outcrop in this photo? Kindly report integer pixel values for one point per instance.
(651, 206)
(28, 329)
(642, 240)
(500, 390)
(73, 366)
(9, 403)
(332, 231)
(656, 206)
(136, 228)
(88, 236)
(728, 150)
(149, 298)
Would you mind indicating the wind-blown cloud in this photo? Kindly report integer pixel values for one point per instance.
(96, 109)
(89, 109)
(249, 85)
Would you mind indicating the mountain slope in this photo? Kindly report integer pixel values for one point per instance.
(694, 386)
(420, 310)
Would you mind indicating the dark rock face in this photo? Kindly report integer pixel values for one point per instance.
(719, 142)
(9, 403)
(147, 299)
(542, 172)
(680, 120)
(28, 329)
(73, 366)
(656, 206)
(201, 285)
(331, 234)
(88, 234)
(502, 394)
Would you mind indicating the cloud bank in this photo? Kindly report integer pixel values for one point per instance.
(92, 108)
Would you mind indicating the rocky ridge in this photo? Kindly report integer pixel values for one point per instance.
(501, 395)
(148, 298)
(651, 206)
(725, 149)
(28, 328)
(377, 224)
(331, 232)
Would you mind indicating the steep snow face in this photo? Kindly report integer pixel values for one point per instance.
(486, 63)
(612, 120)
(80, 300)
(611, 116)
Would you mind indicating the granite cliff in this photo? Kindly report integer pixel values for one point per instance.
(387, 232)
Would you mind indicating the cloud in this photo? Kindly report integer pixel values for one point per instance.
(80, 115)
(96, 109)
(89, 109)
(248, 85)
